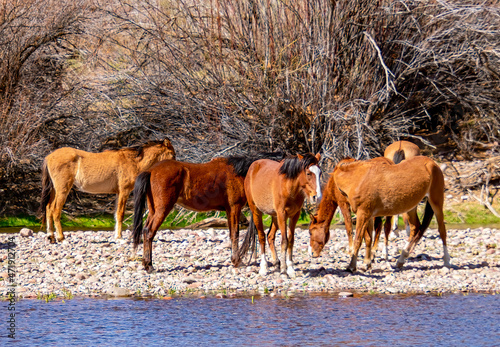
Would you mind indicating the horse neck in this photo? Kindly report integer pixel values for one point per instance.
(328, 203)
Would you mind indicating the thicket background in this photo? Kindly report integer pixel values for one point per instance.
(220, 77)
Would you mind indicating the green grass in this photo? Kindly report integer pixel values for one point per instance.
(467, 213)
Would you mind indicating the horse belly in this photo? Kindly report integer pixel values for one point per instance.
(95, 183)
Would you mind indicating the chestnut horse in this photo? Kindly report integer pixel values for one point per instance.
(397, 152)
(374, 188)
(108, 172)
(216, 185)
(279, 190)
(333, 198)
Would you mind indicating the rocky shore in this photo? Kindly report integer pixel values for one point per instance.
(197, 262)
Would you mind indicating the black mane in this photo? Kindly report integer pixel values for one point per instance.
(241, 163)
(293, 166)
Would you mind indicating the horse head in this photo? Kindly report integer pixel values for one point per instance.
(320, 234)
(311, 184)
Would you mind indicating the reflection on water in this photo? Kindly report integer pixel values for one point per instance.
(450, 320)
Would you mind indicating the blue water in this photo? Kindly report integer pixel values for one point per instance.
(449, 320)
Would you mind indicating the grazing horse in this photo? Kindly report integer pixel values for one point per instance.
(279, 190)
(216, 185)
(333, 198)
(319, 229)
(108, 172)
(375, 188)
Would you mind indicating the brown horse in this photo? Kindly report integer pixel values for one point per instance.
(333, 198)
(108, 172)
(319, 229)
(216, 185)
(375, 188)
(279, 190)
(397, 152)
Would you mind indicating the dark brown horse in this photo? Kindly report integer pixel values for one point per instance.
(375, 188)
(216, 185)
(108, 172)
(279, 190)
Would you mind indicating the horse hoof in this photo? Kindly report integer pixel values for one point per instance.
(60, 240)
(51, 239)
(149, 269)
(351, 270)
(291, 273)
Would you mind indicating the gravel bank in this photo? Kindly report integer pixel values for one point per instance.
(196, 262)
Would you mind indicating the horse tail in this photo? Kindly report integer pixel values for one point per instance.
(47, 189)
(399, 156)
(141, 187)
(429, 212)
(249, 241)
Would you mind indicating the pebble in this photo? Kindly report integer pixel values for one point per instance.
(187, 261)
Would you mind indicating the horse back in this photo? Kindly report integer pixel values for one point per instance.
(409, 150)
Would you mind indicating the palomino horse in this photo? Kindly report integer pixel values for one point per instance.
(216, 185)
(279, 190)
(108, 172)
(375, 188)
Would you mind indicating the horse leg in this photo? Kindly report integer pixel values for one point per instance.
(437, 207)
(234, 233)
(387, 232)
(415, 235)
(153, 223)
(361, 225)
(395, 225)
(346, 212)
(271, 238)
(61, 193)
(49, 218)
(257, 219)
(376, 238)
(121, 201)
(281, 217)
(291, 239)
(368, 244)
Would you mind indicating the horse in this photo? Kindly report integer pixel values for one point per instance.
(279, 189)
(333, 198)
(107, 172)
(397, 152)
(215, 185)
(319, 228)
(374, 188)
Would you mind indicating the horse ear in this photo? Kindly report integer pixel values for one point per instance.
(166, 142)
(318, 156)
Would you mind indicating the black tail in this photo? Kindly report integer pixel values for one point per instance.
(142, 185)
(429, 212)
(249, 242)
(47, 188)
(399, 156)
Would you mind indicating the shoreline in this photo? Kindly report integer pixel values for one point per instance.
(197, 263)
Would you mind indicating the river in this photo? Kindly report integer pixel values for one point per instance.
(301, 320)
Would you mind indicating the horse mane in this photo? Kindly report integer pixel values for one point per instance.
(399, 156)
(138, 149)
(293, 166)
(241, 163)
